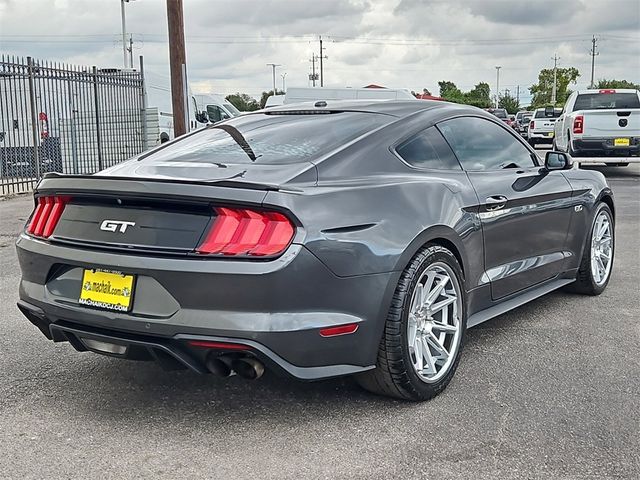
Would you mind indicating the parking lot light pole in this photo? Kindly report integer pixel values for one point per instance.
(273, 67)
(497, 84)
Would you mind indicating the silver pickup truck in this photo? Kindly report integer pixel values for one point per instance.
(600, 126)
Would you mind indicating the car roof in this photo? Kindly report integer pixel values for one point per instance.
(396, 108)
(611, 90)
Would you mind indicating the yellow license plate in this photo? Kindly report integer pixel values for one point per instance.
(621, 142)
(107, 289)
(550, 134)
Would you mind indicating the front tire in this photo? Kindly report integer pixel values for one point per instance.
(597, 259)
(424, 330)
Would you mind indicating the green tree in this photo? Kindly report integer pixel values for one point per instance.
(450, 92)
(604, 83)
(479, 96)
(542, 90)
(243, 102)
(509, 103)
(265, 95)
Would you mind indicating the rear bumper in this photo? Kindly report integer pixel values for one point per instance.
(540, 137)
(277, 307)
(604, 147)
(174, 353)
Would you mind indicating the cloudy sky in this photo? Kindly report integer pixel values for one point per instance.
(397, 43)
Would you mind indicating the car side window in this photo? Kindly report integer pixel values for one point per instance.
(480, 144)
(428, 149)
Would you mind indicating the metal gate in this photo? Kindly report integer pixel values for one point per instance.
(66, 118)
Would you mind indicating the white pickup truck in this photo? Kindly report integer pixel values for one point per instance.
(600, 126)
(541, 125)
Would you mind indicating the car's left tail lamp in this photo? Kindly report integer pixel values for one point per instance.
(46, 215)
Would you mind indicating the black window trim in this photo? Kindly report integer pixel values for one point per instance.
(534, 155)
(415, 133)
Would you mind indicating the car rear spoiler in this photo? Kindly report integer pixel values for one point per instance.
(222, 190)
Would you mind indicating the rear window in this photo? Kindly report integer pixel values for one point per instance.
(500, 113)
(605, 101)
(271, 139)
(542, 114)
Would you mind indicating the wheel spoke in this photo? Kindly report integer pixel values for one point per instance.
(430, 364)
(417, 298)
(435, 343)
(436, 307)
(412, 329)
(445, 327)
(417, 347)
(437, 290)
(431, 276)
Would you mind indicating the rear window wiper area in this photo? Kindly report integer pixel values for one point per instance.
(238, 138)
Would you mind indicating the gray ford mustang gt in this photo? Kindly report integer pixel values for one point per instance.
(316, 241)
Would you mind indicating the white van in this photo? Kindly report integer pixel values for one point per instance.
(204, 109)
(311, 94)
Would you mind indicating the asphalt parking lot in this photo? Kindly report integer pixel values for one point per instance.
(550, 390)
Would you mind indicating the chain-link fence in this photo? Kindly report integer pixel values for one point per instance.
(66, 118)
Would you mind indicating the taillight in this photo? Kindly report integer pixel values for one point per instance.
(46, 216)
(578, 124)
(607, 90)
(241, 231)
(532, 124)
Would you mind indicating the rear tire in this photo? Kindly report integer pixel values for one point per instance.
(532, 142)
(589, 280)
(415, 362)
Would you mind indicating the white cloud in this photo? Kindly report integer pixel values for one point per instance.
(401, 43)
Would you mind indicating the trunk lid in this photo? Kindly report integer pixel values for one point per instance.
(160, 216)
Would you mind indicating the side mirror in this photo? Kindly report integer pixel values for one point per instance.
(202, 117)
(557, 161)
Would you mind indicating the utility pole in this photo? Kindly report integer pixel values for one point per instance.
(518, 94)
(322, 55)
(273, 67)
(283, 81)
(594, 53)
(554, 90)
(178, 64)
(497, 84)
(124, 33)
(130, 49)
(313, 77)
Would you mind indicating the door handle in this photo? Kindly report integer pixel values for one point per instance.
(495, 202)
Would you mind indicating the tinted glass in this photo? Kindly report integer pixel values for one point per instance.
(428, 149)
(599, 101)
(542, 114)
(271, 139)
(500, 113)
(480, 144)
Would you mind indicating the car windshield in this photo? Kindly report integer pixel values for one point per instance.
(231, 108)
(282, 138)
(601, 101)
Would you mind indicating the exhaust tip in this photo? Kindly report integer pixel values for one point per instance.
(216, 365)
(248, 368)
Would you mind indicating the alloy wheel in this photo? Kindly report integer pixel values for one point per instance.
(601, 248)
(434, 324)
